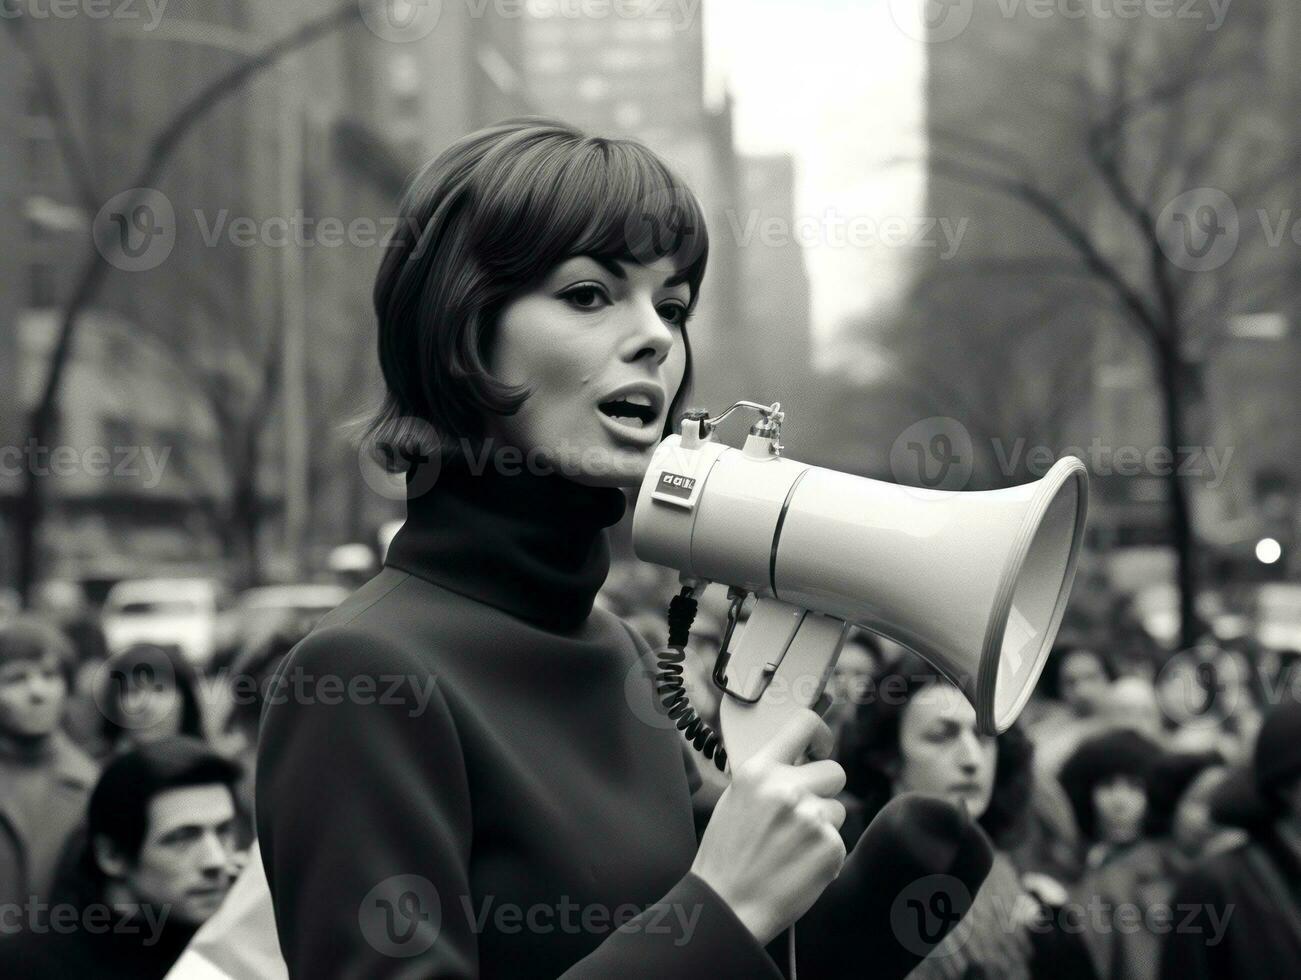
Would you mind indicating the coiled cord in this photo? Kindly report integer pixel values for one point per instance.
(670, 682)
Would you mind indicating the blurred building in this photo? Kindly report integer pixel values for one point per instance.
(247, 343)
(639, 72)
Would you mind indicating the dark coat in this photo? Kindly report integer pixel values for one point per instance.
(1236, 916)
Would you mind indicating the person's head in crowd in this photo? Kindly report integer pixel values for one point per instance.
(1132, 703)
(1237, 688)
(161, 828)
(1078, 676)
(147, 692)
(1196, 829)
(1174, 810)
(36, 666)
(1106, 781)
(251, 673)
(1276, 761)
(859, 662)
(916, 732)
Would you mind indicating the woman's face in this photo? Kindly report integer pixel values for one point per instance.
(602, 347)
(942, 753)
(1119, 805)
(1083, 682)
(153, 710)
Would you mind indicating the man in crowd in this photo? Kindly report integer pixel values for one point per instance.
(1246, 902)
(44, 778)
(159, 857)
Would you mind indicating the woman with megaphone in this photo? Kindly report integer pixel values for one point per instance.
(454, 776)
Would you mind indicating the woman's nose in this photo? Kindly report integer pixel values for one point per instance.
(649, 335)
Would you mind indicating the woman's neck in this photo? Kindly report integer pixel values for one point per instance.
(531, 543)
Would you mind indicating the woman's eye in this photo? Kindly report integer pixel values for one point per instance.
(675, 313)
(584, 297)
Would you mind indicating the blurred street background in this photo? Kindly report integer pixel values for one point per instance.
(957, 239)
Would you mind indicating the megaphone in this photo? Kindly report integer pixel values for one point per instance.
(975, 582)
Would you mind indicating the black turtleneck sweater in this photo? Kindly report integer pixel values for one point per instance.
(451, 779)
(461, 774)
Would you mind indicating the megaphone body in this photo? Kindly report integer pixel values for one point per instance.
(975, 582)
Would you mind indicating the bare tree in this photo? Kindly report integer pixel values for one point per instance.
(95, 266)
(1171, 126)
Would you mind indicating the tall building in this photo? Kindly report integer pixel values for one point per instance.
(253, 327)
(638, 71)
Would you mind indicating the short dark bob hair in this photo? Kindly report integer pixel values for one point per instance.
(1101, 759)
(149, 663)
(482, 224)
(869, 752)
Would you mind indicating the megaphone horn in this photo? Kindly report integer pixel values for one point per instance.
(975, 582)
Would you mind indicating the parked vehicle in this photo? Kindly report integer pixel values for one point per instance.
(184, 612)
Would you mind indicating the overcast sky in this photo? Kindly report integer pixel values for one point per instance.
(839, 85)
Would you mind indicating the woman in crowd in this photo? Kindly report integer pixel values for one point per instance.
(1074, 684)
(918, 734)
(1138, 877)
(145, 693)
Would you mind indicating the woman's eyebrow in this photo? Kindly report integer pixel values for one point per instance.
(615, 268)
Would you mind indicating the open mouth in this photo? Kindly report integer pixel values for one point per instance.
(634, 410)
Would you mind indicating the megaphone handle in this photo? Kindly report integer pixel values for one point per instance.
(803, 664)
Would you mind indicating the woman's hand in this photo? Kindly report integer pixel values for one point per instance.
(773, 843)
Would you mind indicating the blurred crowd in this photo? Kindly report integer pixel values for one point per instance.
(1145, 809)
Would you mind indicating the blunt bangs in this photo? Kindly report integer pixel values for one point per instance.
(610, 199)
